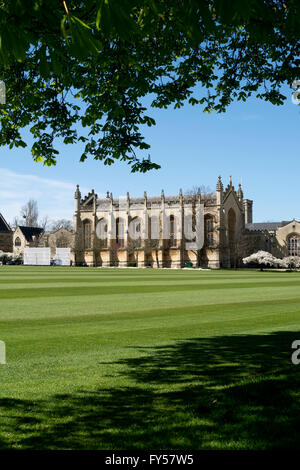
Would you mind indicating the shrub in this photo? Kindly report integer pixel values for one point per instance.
(131, 264)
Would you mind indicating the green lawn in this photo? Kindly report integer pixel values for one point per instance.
(148, 359)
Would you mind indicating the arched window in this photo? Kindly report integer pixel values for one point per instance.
(17, 241)
(294, 245)
(172, 231)
(120, 231)
(231, 226)
(135, 232)
(153, 228)
(87, 234)
(233, 248)
(209, 230)
(102, 232)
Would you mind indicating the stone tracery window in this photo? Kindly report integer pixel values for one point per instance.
(294, 245)
(17, 241)
(135, 232)
(120, 231)
(87, 234)
(209, 230)
(172, 231)
(102, 232)
(231, 226)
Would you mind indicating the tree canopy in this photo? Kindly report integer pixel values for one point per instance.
(69, 65)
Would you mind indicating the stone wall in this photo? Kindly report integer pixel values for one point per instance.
(6, 241)
(61, 238)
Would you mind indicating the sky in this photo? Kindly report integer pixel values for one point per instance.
(254, 141)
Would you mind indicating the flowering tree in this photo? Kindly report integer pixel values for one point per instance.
(291, 262)
(264, 259)
(5, 257)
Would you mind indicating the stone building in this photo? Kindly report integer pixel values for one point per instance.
(29, 237)
(26, 237)
(61, 238)
(102, 235)
(6, 236)
(279, 238)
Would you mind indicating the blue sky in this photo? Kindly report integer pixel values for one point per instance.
(255, 142)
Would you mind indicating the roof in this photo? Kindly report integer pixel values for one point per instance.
(59, 230)
(266, 225)
(29, 232)
(187, 198)
(4, 227)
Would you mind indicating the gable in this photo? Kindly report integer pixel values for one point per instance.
(18, 233)
(89, 200)
(231, 201)
(289, 228)
(62, 230)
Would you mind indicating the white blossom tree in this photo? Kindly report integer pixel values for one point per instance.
(291, 262)
(263, 258)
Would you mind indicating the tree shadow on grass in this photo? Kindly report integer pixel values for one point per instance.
(221, 392)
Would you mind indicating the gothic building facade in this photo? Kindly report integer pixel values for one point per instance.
(103, 236)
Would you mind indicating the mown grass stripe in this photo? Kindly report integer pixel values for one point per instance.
(126, 290)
